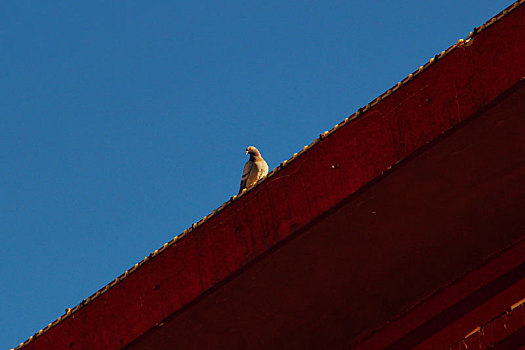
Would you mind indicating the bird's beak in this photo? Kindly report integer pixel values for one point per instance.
(246, 152)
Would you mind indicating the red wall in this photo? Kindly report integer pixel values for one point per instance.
(419, 257)
(450, 90)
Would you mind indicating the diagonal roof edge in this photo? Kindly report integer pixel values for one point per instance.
(492, 333)
(404, 328)
(70, 313)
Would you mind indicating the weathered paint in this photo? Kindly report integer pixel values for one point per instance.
(378, 255)
(450, 90)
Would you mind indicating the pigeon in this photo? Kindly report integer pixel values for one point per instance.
(254, 169)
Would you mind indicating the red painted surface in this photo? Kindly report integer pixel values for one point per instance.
(447, 93)
(456, 310)
(438, 215)
(507, 331)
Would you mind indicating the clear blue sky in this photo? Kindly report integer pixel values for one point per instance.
(122, 123)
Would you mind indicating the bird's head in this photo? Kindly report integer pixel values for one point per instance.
(252, 151)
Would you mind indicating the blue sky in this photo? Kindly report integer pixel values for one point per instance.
(122, 123)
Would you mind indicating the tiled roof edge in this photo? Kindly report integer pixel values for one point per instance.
(69, 312)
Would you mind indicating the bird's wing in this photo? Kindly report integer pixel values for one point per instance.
(264, 169)
(246, 173)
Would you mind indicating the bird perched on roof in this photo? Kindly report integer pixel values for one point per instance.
(254, 169)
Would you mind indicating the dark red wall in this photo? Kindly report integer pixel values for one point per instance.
(438, 215)
(505, 332)
(464, 81)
